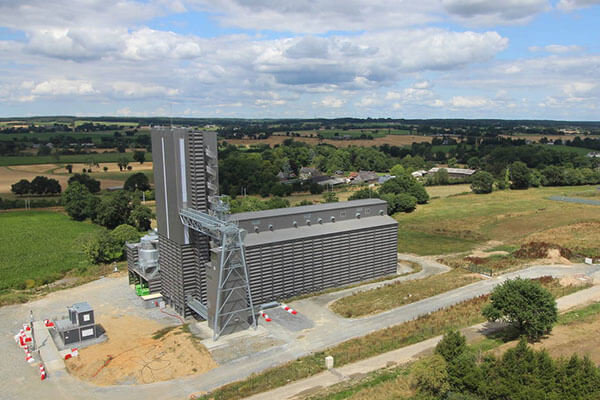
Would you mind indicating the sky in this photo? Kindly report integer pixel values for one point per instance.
(511, 59)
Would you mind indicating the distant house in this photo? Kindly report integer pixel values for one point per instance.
(282, 176)
(385, 178)
(594, 154)
(308, 173)
(332, 181)
(419, 174)
(365, 177)
(454, 172)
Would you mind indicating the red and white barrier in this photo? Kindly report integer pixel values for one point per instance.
(42, 372)
(48, 323)
(29, 357)
(289, 309)
(73, 353)
(265, 316)
(26, 328)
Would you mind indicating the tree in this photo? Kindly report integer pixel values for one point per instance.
(113, 211)
(482, 182)
(473, 162)
(141, 217)
(525, 304)
(105, 168)
(401, 202)
(365, 193)
(137, 181)
(520, 176)
(123, 163)
(139, 156)
(22, 187)
(315, 188)
(405, 184)
(452, 345)
(43, 185)
(69, 168)
(452, 162)
(79, 202)
(430, 376)
(330, 197)
(397, 170)
(92, 184)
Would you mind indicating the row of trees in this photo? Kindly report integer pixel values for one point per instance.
(40, 185)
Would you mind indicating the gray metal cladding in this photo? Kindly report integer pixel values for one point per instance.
(286, 269)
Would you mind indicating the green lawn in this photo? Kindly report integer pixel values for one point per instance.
(40, 246)
(459, 223)
(70, 159)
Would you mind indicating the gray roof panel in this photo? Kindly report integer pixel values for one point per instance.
(315, 230)
(278, 212)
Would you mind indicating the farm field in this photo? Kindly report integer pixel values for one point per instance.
(463, 222)
(12, 174)
(392, 140)
(68, 159)
(39, 247)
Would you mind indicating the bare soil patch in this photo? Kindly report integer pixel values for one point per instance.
(135, 354)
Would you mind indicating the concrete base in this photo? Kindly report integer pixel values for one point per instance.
(47, 351)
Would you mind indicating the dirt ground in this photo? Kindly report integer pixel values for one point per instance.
(582, 338)
(132, 356)
(13, 174)
(585, 235)
(392, 140)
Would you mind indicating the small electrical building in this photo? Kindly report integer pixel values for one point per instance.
(80, 325)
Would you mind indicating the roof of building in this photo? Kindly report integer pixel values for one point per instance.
(316, 230)
(84, 306)
(463, 171)
(64, 325)
(277, 212)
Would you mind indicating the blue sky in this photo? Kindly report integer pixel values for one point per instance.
(530, 59)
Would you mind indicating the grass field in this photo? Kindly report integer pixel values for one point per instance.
(69, 159)
(462, 222)
(400, 293)
(459, 316)
(38, 247)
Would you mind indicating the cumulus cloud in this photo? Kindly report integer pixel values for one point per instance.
(307, 16)
(332, 102)
(141, 90)
(63, 87)
(484, 12)
(469, 101)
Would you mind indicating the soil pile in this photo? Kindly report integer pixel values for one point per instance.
(140, 351)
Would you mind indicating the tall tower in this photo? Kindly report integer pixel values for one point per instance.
(185, 176)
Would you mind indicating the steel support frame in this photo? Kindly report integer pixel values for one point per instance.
(232, 264)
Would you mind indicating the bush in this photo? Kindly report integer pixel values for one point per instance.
(430, 376)
(79, 202)
(125, 233)
(525, 304)
(103, 248)
(399, 202)
(315, 188)
(366, 193)
(482, 182)
(405, 184)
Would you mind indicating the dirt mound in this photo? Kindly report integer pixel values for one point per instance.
(535, 250)
(140, 351)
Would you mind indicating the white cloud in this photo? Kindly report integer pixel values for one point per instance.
(485, 12)
(469, 102)
(569, 5)
(556, 48)
(141, 90)
(63, 87)
(332, 102)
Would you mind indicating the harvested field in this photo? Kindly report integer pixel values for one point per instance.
(392, 140)
(447, 190)
(140, 351)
